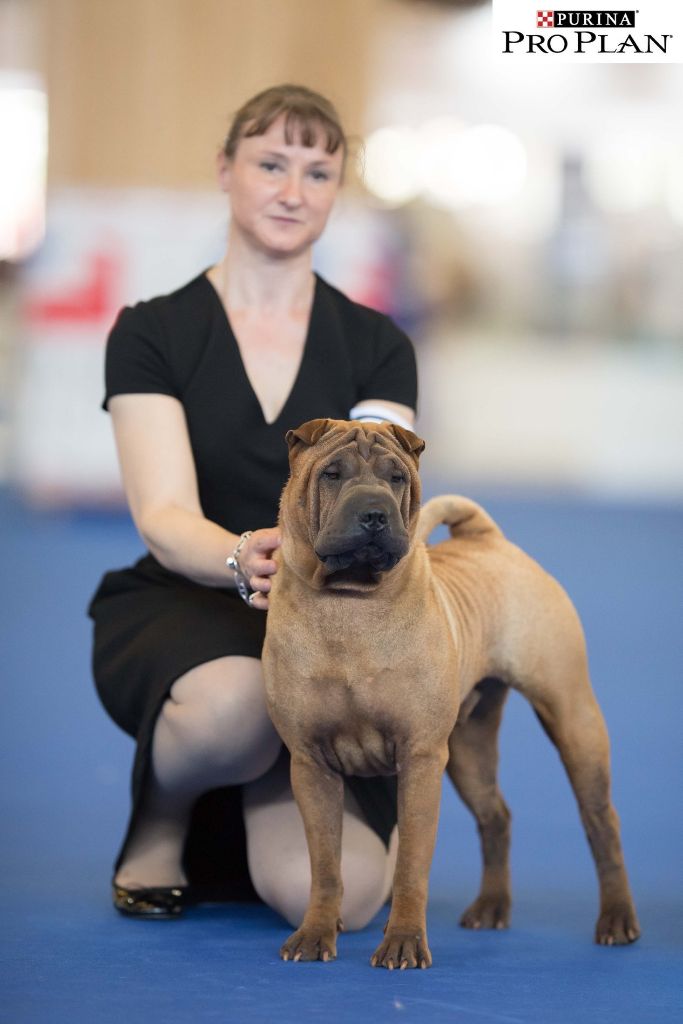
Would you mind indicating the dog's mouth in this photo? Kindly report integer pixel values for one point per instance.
(355, 577)
(359, 568)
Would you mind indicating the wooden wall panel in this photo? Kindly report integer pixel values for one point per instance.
(141, 91)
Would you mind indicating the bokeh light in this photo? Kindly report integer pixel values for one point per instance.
(450, 164)
(23, 168)
(390, 165)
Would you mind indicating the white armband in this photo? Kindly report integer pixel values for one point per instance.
(376, 412)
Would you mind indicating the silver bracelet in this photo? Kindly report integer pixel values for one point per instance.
(241, 581)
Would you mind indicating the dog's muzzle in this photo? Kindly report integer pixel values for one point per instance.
(366, 531)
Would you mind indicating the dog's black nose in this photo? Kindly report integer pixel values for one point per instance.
(373, 520)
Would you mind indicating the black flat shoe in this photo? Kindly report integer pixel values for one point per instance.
(160, 903)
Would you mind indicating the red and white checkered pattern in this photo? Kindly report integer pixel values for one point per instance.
(545, 19)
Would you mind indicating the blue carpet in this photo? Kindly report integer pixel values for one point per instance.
(67, 958)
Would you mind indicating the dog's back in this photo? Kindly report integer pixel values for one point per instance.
(506, 603)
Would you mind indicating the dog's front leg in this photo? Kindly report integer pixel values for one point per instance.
(319, 794)
(419, 795)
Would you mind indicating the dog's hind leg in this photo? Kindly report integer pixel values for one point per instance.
(571, 717)
(473, 769)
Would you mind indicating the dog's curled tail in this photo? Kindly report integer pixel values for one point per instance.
(462, 517)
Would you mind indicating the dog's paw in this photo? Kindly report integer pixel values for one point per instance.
(312, 943)
(617, 925)
(488, 912)
(402, 949)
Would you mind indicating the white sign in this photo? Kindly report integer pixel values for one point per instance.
(588, 32)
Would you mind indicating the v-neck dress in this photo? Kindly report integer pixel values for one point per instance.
(153, 625)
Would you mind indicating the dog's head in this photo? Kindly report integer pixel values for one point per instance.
(352, 500)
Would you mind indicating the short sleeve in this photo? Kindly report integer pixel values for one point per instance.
(393, 375)
(136, 360)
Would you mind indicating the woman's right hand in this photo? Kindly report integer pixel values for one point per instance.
(257, 563)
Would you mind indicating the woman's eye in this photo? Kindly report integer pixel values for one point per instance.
(268, 165)
(320, 175)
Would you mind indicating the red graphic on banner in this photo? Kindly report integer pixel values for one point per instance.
(90, 301)
(545, 19)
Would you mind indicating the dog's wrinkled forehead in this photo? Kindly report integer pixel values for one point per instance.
(367, 443)
(322, 437)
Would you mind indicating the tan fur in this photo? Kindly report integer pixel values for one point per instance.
(407, 672)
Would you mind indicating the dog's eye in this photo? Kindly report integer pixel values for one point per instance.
(398, 478)
(330, 474)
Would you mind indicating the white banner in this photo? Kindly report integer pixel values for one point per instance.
(588, 32)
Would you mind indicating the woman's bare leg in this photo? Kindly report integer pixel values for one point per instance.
(213, 731)
(278, 854)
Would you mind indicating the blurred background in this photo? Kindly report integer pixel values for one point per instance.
(525, 228)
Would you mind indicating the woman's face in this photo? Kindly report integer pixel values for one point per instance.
(281, 195)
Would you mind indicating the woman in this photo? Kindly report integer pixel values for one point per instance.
(202, 385)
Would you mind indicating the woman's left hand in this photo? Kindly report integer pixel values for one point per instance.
(258, 565)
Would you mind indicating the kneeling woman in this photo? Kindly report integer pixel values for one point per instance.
(202, 385)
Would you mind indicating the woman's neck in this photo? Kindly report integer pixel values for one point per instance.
(248, 279)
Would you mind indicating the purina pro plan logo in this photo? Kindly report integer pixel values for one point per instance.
(651, 33)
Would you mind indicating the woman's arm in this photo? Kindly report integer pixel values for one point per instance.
(160, 482)
(388, 377)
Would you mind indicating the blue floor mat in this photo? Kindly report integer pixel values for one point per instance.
(67, 957)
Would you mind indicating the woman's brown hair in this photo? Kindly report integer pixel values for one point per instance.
(306, 113)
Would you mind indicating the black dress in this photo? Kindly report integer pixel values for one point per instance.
(153, 625)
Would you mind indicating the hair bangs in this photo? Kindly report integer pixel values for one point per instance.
(302, 127)
(308, 119)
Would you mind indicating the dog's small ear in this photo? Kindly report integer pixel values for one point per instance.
(409, 441)
(309, 433)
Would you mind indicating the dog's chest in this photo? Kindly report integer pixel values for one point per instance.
(356, 697)
(359, 750)
(355, 725)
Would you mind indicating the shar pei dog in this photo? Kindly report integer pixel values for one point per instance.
(387, 656)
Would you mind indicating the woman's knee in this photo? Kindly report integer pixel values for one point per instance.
(279, 860)
(367, 868)
(364, 888)
(286, 889)
(216, 716)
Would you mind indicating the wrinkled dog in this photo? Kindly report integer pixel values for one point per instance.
(434, 638)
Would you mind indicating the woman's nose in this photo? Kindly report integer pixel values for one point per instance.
(290, 193)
